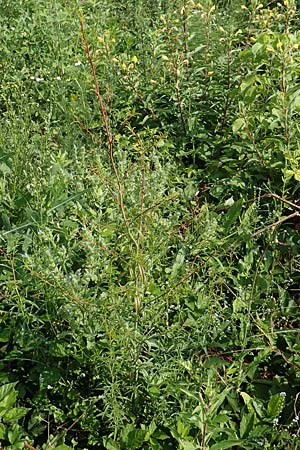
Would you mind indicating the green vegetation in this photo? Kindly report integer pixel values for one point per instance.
(149, 225)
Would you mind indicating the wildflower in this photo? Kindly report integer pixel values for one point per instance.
(134, 59)
(279, 45)
(210, 73)
(115, 60)
(124, 67)
(164, 58)
(282, 394)
(100, 39)
(78, 63)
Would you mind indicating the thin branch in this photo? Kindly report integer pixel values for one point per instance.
(110, 141)
(275, 224)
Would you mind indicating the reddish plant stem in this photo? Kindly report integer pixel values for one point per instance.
(107, 130)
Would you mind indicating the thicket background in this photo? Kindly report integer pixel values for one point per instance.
(149, 247)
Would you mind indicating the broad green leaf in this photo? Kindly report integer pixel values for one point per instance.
(8, 402)
(14, 434)
(6, 389)
(256, 48)
(63, 447)
(232, 214)
(246, 397)
(134, 439)
(4, 335)
(188, 445)
(14, 414)
(110, 444)
(238, 124)
(246, 425)
(276, 405)
(227, 444)
(3, 431)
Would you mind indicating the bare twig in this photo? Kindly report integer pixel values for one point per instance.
(27, 445)
(275, 224)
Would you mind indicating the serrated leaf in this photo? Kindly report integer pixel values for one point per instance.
(275, 405)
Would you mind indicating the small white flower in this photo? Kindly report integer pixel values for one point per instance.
(49, 386)
(283, 394)
(78, 63)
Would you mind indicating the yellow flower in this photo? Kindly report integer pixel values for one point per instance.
(124, 67)
(164, 58)
(134, 59)
(115, 60)
(210, 73)
(279, 45)
(100, 39)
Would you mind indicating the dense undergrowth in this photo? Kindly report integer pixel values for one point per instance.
(149, 252)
